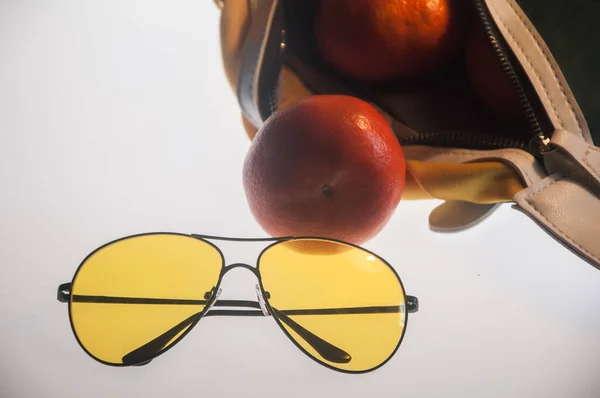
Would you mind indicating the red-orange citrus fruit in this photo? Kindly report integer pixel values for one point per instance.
(384, 39)
(326, 165)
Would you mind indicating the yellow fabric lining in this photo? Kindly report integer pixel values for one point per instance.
(481, 182)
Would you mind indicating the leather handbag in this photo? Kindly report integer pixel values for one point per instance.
(548, 168)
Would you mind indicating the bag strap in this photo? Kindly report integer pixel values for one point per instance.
(568, 211)
(567, 203)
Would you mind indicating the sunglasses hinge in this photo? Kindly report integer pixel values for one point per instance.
(412, 304)
(64, 292)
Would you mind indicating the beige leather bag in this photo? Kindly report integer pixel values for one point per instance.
(550, 171)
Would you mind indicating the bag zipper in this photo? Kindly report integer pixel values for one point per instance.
(539, 142)
(508, 68)
(469, 139)
(536, 145)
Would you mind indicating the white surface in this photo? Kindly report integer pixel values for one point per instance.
(115, 118)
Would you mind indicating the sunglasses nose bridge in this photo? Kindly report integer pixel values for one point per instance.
(240, 265)
(210, 295)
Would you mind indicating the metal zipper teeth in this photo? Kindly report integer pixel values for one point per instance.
(458, 138)
(466, 139)
(483, 141)
(509, 70)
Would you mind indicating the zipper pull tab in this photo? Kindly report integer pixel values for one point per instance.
(540, 144)
(570, 155)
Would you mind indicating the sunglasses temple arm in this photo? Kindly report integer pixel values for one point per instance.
(64, 295)
(145, 353)
(325, 349)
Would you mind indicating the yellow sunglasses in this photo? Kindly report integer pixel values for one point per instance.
(134, 298)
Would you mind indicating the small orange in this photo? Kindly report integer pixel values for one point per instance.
(326, 165)
(383, 39)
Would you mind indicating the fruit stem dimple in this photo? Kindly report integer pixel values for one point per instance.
(327, 191)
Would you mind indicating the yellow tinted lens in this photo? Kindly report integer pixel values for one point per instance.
(343, 305)
(140, 290)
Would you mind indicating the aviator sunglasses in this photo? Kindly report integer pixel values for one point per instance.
(134, 298)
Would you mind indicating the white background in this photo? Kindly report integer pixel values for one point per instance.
(116, 118)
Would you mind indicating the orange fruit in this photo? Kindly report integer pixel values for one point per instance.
(383, 39)
(487, 78)
(326, 165)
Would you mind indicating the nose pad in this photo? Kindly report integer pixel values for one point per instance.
(215, 300)
(261, 301)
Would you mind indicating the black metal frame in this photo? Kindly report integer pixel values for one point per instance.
(156, 347)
